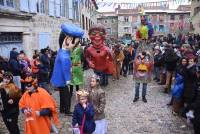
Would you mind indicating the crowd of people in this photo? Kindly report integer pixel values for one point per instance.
(26, 84)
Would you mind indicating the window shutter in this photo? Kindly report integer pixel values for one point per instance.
(44, 39)
(33, 6)
(24, 5)
(51, 8)
(57, 8)
(70, 9)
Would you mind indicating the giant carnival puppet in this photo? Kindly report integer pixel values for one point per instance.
(69, 38)
(98, 55)
(143, 64)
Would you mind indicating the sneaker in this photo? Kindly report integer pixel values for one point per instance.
(136, 99)
(144, 99)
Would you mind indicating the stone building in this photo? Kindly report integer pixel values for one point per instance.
(110, 21)
(169, 21)
(35, 24)
(195, 15)
(164, 21)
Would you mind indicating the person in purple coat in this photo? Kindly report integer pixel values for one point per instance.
(69, 37)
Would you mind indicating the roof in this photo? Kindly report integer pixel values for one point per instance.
(165, 11)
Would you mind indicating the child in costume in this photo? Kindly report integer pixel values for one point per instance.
(10, 95)
(98, 100)
(69, 37)
(38, 107)
(83, 116)
(98, 55)
(142, 74)
(77, 71)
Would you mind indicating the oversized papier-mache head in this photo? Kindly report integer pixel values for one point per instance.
(70, 30)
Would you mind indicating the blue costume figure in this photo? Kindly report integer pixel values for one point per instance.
(69, 37)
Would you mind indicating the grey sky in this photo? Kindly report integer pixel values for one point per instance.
(172, 5)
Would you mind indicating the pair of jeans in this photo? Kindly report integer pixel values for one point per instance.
(11, 124)
(103, 78)
(137, 89)
(157, 73)
(65, 99)
(125, 67)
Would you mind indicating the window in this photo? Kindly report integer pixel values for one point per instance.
(44, 39)
(86, 23)
(126, 18)
(181, 17)
(196, 10)
(126, 30)
(41, 6)
(62, 8)
(70, 4)
(83, 22)
(172, 17)
(161, 18)
(108, 30)
(161, 28)
(113, 21)
(105, 21)
(10, 37)
(7, 3)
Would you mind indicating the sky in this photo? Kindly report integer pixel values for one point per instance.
(172, 5)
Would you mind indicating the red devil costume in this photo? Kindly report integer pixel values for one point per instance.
(98, 55)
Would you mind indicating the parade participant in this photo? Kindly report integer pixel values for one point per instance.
(83, 115)
(118, 58)
(38, 107)
(142, 74)
(98, 55)
(77, 71)
(98, 100)
(69, 38)
(127, 62)
(10, 95)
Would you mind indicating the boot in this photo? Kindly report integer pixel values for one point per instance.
(144, 99)
(136, 99)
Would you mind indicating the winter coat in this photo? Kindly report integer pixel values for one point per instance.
(42, 74)
(189, 85)
(14, 65)
(178, 88)
(195, 105)
(158, 61)
(170, 59)
(45, 61)
(127, 57)
(10, 91)
(79, 111)
(62, 67)
(98, 99)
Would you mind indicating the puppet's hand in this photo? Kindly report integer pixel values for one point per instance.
(67, 82)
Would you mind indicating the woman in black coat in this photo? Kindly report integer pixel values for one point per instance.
(195, 105)
(10, 95)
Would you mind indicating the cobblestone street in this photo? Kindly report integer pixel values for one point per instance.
(126, 117)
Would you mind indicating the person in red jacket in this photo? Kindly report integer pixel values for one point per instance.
(98, 55)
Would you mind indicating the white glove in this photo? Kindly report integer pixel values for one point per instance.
(190, 114)
(67, 82)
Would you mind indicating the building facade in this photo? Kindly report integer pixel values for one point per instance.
(110, 21)
(35, 24)
(163, 21)
(195, 15)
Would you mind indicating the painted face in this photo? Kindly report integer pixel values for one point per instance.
(97, 37)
